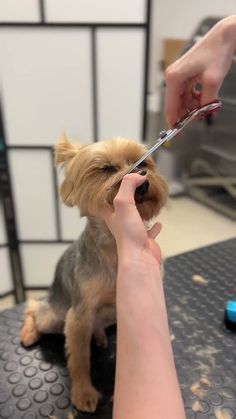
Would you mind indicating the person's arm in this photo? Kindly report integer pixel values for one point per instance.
(146, 384)
(206, 63)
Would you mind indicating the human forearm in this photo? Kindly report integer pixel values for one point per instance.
(145, 375)
(145, 370)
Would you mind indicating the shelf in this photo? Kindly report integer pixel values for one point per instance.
(218, 199)
(227, 154)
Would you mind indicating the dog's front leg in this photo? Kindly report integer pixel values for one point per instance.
(78, 331)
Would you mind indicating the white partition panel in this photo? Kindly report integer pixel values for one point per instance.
(5, 272)
(46, 81)
(19, 10)
(71, 223)
(96, 11)
(31, 172)
(3, 237)
(120, 82)
(39, 263)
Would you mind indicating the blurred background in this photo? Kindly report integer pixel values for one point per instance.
(95, 69)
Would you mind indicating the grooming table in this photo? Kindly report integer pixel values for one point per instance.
(34, 382)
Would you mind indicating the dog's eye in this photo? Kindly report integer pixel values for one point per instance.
(109, 169)
(142, 164)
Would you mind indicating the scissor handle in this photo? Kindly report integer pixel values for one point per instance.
(201, 112)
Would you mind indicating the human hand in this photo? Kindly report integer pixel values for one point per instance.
(126, 224)
(207, 64)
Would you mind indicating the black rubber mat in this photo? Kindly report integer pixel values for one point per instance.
(34, 383)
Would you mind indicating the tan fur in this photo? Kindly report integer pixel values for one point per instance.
(82, 300)
(35, 323)
(79, 329)
(221, 413)
(30, 332)
(65, 150)
(86, 164)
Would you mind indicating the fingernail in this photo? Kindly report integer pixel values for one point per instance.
(142, 173)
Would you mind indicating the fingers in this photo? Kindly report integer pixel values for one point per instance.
(173, 98)
(154, 231)
(192, 94)
(183, 98)
(211, 85)
(127, 189)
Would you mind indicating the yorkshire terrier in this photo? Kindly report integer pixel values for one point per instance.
(82, 299)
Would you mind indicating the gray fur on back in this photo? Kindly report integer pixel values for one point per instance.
(83, 260)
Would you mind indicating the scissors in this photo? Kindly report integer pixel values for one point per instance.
(200, 112)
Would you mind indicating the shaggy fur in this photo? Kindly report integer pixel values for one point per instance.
(81, 300)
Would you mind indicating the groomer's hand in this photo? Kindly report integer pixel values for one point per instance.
(126, 224)
(207, 64)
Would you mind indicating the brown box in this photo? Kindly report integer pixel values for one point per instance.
(171, 50)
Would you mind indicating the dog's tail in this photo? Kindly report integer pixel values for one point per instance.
(65, 150)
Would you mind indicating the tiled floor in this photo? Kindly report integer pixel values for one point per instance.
(187, 225)
(8, 302)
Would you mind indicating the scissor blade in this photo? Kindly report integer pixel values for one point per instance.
(169, 134)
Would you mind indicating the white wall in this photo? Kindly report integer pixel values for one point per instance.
(18, 11)
(95, 10)
(117, 110)
(46, 79)
(178, 19)
(5, 270)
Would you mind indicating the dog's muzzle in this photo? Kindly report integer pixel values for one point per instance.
(141, 192)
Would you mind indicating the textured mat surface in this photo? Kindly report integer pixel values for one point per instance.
(34, 383)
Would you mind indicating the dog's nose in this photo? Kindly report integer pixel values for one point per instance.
(140, 172)
(142, 189)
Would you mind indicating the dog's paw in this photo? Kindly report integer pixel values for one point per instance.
(29, 335)
(85, 397)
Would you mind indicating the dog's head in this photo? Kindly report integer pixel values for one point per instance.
(91, 170)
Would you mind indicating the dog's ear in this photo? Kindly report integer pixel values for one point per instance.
(64, 153)
(67, 193)
(64, 150)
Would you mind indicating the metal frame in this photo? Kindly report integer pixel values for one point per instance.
(13, 238)
(10, 219)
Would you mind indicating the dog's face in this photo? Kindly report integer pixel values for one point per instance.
(91, 170)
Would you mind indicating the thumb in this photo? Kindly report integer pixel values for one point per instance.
(127, 189)
(154, 231)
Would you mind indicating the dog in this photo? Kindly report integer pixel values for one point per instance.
(81, 301)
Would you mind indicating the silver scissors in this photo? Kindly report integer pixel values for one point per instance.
(200, 112)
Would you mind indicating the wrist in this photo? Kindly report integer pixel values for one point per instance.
(136, 257)
(140, 292)
(137, 272)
